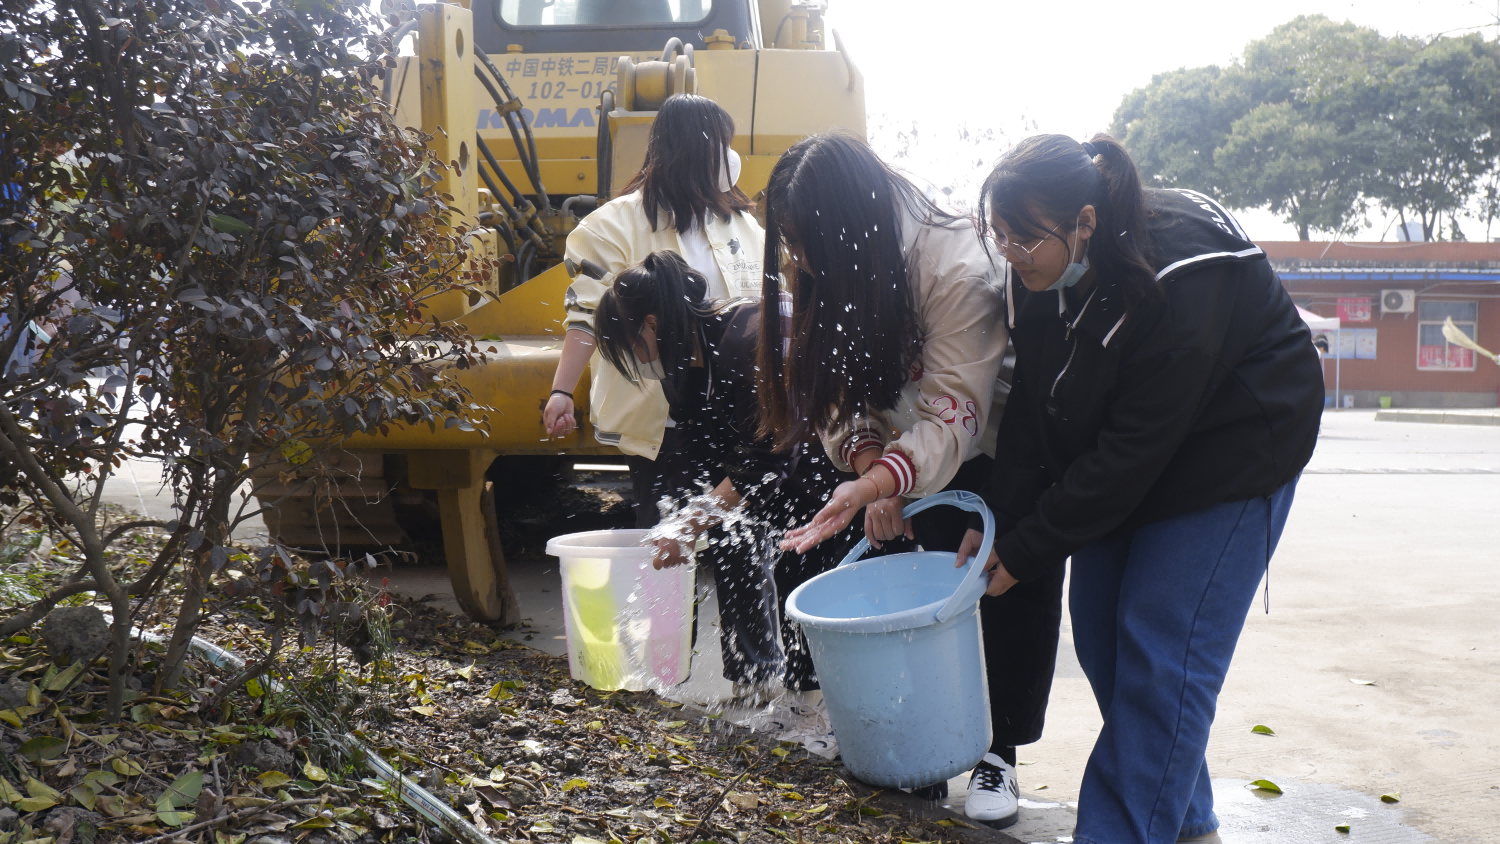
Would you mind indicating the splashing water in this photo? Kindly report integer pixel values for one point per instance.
(743, 546)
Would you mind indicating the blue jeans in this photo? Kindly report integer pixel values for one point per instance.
(1156, 615)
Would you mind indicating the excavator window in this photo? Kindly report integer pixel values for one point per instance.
(602, 12)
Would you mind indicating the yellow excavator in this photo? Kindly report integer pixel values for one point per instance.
(542, 109)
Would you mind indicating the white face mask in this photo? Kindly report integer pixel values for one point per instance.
(729, 170)
(1075, 268)
(652, 371)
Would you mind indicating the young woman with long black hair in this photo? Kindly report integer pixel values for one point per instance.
(657, 325)
(895, 341)
(683, 200)
(1166, 398)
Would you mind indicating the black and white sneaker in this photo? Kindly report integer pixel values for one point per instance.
(994, 797)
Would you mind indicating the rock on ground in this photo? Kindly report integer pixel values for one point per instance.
(13, 693)
(267, 755)
(72, 825)
(74, 633)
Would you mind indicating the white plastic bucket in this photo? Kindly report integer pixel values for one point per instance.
(628, 625)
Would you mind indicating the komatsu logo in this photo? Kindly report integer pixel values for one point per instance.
(547, 118)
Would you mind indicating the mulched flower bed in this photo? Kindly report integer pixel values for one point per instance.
(66, 775)
(496, 729)
(503, 733)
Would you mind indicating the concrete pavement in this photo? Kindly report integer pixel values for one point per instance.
(1487, 416)
(1388, 571)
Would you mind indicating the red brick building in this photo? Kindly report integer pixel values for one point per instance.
(1392, 299)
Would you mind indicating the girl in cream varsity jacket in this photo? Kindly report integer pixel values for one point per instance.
(895, 343)
(626, 415)
(942, 416)
(684, 201)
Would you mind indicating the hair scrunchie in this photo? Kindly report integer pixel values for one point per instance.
(1089, 149)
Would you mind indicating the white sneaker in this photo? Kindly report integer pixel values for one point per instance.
(799, 717)
(807, 704)
(806, 720)
(994, 797)
(754, 695)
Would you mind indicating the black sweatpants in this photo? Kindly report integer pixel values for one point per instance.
(678, 471)
(800, 498)
(758, 642)
(1020, 628)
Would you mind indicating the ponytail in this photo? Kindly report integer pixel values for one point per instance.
(1054, 176)
(663, 286)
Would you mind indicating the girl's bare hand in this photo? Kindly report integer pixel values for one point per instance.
(668, 552)
(836, 515)
(1000, 579)
(557, 416)
(883, 522)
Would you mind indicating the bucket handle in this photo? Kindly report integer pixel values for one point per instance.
(971, 589)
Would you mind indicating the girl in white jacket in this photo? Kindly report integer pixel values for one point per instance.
(896, 339)
(684, 201)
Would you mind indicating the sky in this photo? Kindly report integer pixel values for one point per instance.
(1000, 71)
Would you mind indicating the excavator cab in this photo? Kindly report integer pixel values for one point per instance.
(622, 26)
(601, 12)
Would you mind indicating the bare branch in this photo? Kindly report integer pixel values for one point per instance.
(256, 668)
(38, 610)
(119, 530)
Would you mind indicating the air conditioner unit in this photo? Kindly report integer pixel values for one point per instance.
(1398, 301)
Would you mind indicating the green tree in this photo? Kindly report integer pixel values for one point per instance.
(1309, 134)
(1489, 199)
(1173, 126)
(1437, 138)
(1319, 118)
(1277, 129)
(1275, 157)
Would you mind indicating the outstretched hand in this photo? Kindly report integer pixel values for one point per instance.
(849, 498)
(1000, 579)
(667, 552)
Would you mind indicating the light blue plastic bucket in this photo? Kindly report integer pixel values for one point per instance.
(896, 643)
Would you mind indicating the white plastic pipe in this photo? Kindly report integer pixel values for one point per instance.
(413, 795)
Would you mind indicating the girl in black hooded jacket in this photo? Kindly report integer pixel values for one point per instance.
(1166, 398)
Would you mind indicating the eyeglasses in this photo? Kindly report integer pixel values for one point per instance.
(1018, 253)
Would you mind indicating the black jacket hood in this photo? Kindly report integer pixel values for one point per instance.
(1191, 231)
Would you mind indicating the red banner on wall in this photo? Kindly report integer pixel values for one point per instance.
(1444, 357)
(1355, 310)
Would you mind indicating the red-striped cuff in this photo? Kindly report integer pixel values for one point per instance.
(859, 441)
(901, 468)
